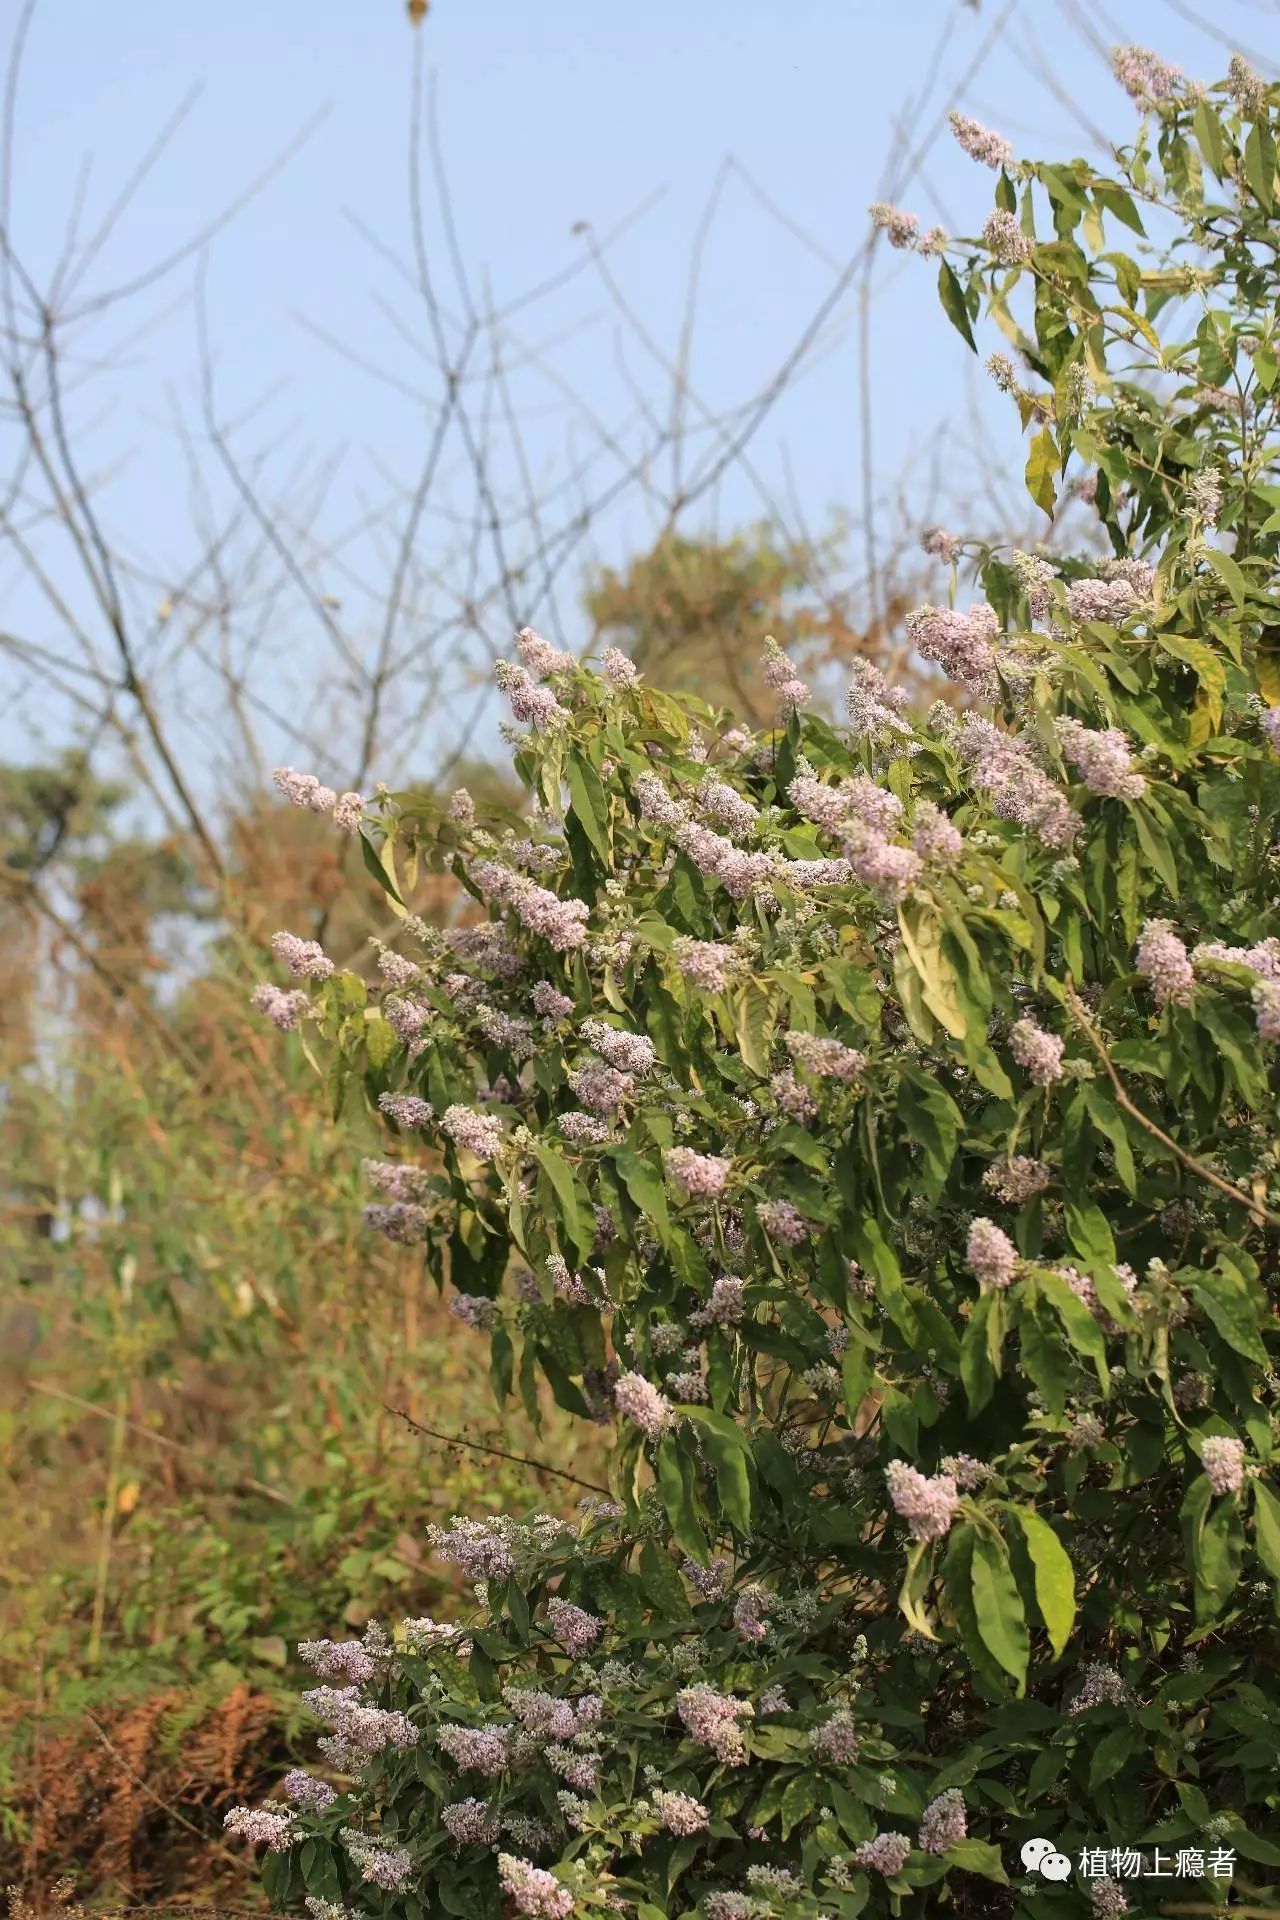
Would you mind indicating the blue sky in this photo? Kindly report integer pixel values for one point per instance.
(550, 113)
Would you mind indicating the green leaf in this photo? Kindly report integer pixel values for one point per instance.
(1266, 1528)
(1054, 1577)
(933, 1120)
(753, 1016)
(726, 1447)
(674, 1471)
(589, 804)
(1230, 575)
(663, 1587)
(998, 1606)
(951, 294)
(576, 1219)
(977, 1856)
(647, 1188)
(1110, 1754)
(380, 862)
(1260, 163)
(1087, 1227)
(1043, 465)
(1209, 136)
(922, 938)
(1079, 1325)
(1229, 1304)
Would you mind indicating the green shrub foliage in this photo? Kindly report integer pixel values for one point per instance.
(876, 1123)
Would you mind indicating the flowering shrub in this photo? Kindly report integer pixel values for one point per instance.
(877, 1125)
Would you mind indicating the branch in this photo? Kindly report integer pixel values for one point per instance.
(1258, 1213)
(496, 1453)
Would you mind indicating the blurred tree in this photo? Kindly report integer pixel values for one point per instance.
(693, 613)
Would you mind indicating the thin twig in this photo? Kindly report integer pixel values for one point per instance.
(164, 1805)
(1255, 1207)
(496, 1453)
(158, 1439)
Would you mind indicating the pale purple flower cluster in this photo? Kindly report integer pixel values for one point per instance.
(1005, 239)
(680, 1813)
(657, 803)
(317, 1796)
(899, 228)
(532, 1890)
(1035, 575)
(990, 1254)
(640, 1401)
(873, 706)
(550, 1003)
(477, 1133)
(966, 1471)
(712, 854)
(582, 1129)
(1222, 1457)
(928, 1505)
(941, 545)
(1248, 89)
(629, 1052)
(539, 655)
(407, 1109)
(1017, 1180)
(934, 838)
(284, 1009)
(575, 1628)
(562, 922)
(305, 959)
(697, 1173)
(380, 1865)
(782, 1222)
(408, 1019)
(979, 142)
(529, 702)
(690, 1389)
(1270, 724)
(708, 1582)
(1102, 759)
(1107, 1898)
(1110, 601)
(482, 1548)
(469, 1823)
(725, 1308)
(601, 1089)
(1102, 1686)
(707, 963)
(347, 1660)
(887, 870)
(1040, 1053)
(873, 804)
(358, 1731)
(620, 671)
(1083, 1288)
(829, 1059)
(1142, 74)
(751, 1610)
(793, 1096)
(546, 1716)
(725, 807)
(474, 1310)
(1164, 961)
(962, 644)
(304, 790)
(827, 807)
(712, 1720)
(943, 1822)
(402, 1222)
(836, 1739)
(1003, 769)
(887, 1854)
(269, 1826)
(780, 674)
(476, 1749)
(396, 970)
(816, 873)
